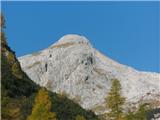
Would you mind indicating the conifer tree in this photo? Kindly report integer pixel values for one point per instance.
(2, 22)
(42, 107)
(115, 101)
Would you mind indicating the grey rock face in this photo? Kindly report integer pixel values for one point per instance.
(73, 67)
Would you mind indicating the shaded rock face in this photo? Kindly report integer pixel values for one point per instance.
(73, 67)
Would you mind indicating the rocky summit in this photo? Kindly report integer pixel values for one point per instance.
(71, 66)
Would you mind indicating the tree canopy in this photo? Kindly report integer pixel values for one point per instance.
(42, 107)
(115, 101)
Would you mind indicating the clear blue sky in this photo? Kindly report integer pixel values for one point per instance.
(125, 31)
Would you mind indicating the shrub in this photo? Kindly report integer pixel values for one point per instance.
(79, 117)
(16, 71)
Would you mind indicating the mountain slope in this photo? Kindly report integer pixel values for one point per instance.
(72, 66)
(18, 91)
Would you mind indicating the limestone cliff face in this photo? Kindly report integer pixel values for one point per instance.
(72, 66)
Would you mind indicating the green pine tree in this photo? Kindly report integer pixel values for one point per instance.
(115, 101)
(42, 107)
(140, 114)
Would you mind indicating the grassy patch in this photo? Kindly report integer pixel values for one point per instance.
(64, 45)
(36, 63)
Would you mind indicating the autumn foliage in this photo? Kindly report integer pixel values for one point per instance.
(42, 107)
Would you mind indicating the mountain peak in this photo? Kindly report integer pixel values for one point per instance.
(72, 66)
(72, 38)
